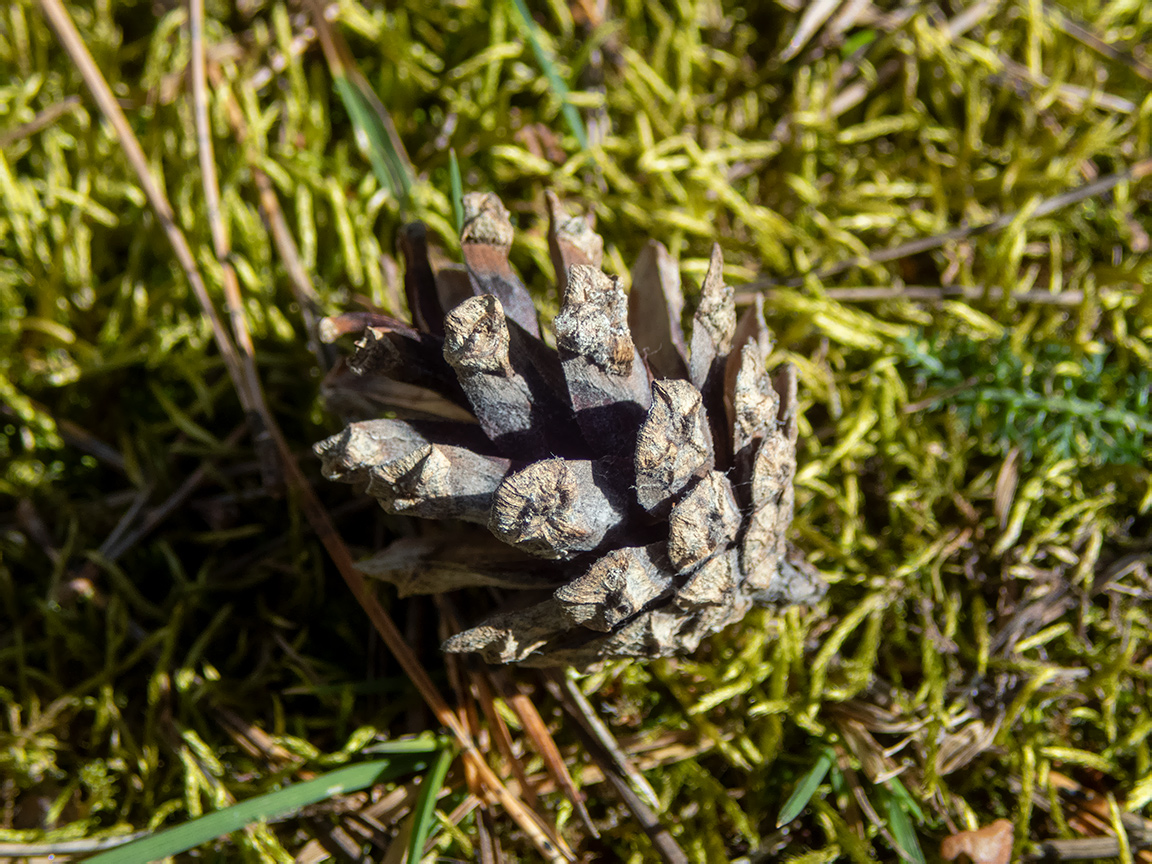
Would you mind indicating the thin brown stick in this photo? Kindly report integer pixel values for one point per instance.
(298, 279)
(542, 740)
(666, 845)
(1081, 33)
(1137, 171)
(42, 120)
(932, 294)
(587, 717)
(547, 842)
(72, 43)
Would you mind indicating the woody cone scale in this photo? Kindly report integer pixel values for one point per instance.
(629, 491)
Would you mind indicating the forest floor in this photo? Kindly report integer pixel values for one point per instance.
(945, 210)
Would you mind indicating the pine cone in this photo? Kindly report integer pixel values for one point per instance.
(636, 494)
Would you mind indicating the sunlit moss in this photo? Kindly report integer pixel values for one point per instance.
(933, 536)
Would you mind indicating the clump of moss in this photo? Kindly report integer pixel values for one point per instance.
(159, 582)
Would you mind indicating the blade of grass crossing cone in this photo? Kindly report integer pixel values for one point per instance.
(425, 811)
(262, 808)
(370, 132)
(457, 189)
(571, 115)
(805, 789)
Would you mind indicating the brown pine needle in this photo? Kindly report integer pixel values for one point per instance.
(42, 120)
(1137, 171)
(484, 684)
(542, 740)
(298, 279)
(572, 697)
(481, 679)
(547, 842)
(666, 845)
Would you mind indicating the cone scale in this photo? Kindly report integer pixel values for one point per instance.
(630, 490)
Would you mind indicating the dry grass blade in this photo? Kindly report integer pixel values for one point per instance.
(1063, 20)
(489, 844)
(542, 740)
(937, 294)
(572, 697)
(853, 94)
(210, 185)
(815, 14)
(666, 846)
(48, 850)
(1136, 171)
(41, 121)
(549, 844)
(208, 179)
(118, 546)
(252, 737)
(72, 42)
(1005, 491)
(298, 278)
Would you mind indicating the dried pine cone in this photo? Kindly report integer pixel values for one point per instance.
(638, 492)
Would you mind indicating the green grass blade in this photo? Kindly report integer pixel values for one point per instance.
(909, 804)
(423, 744)
(571, 115)
(425, 810)
(386, 163)
(262, 808)
(457, 189)
(805, 789)
(902, 831)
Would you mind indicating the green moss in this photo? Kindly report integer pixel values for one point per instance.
(978, 598)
